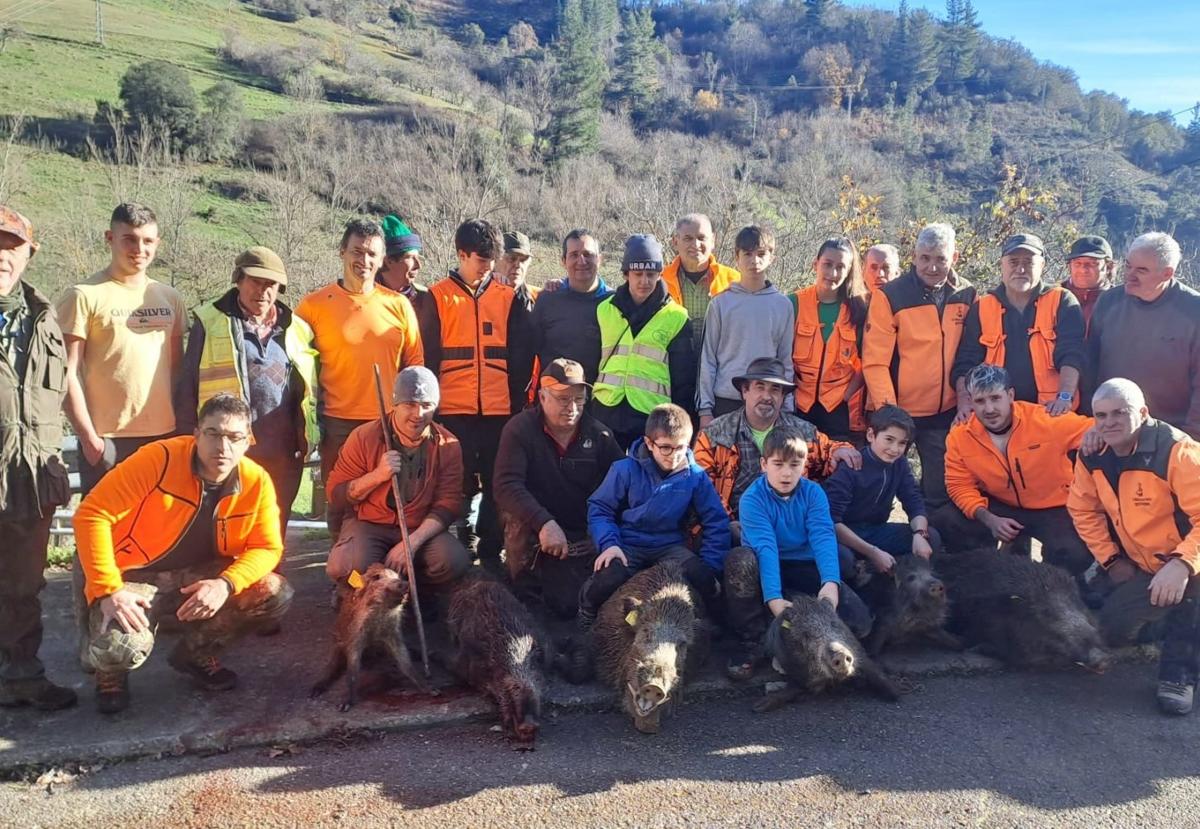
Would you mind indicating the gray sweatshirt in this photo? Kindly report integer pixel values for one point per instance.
(740, 327)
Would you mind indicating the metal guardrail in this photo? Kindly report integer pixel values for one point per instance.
(61, 527)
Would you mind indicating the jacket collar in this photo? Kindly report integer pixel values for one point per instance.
(484, 284)
(641, 453)
(228, 304)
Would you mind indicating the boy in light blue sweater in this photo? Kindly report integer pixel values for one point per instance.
(788, 545)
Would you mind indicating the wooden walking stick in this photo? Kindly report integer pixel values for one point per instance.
(390, 445)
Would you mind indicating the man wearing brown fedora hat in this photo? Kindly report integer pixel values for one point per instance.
(730, 447)
(552, 457)
(249, 344)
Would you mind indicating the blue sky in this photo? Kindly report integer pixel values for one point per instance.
(1146, 52)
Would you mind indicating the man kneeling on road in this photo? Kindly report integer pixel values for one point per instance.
(183, 535)
(429, 466)
(1008, 473)
(551, 459)
(1137, 505)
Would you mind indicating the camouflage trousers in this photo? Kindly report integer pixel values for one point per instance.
(260, 605)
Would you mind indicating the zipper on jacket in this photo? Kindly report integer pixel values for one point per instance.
(1021, 474)
(1008, 467)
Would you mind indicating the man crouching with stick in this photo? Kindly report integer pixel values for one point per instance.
(418, 467)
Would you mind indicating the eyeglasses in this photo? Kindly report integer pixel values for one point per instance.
(669, 448)
(234, 438)
(577, 401)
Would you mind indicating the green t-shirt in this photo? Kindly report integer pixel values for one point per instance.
(759, 436)
(827, 313)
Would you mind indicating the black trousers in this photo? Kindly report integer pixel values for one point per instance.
(1128, 616)
(479, 436)
(746, 612)
(600, 586)
(1061, 545)
(22, 560)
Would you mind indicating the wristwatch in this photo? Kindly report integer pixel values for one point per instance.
(1066, 396)
(923, 533)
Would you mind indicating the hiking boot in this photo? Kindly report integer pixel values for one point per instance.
(1175, 697)
(41, 693)
(112, 691)
(206, 670)
(744, 661)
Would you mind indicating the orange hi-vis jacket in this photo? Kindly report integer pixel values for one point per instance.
(473, 374)
(720, 277)
(1033, 473)
(824, 369)
(909, 345)
(142, 508)
(1151, 498)
(1041, 339)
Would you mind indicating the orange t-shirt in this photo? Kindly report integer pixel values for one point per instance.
(352, 332)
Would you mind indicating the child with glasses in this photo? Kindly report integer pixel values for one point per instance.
(641, 514)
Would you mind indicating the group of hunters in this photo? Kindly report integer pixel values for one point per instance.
(694, 414)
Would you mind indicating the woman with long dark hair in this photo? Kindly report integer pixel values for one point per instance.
(826, 350)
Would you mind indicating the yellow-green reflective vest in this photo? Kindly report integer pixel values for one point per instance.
(221, 368)
(632, 368)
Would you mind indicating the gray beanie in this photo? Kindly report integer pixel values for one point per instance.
(416, 384)
(642, 253)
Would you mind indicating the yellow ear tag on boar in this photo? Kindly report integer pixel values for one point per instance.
(785, 624)
(631, 618)
(355, 580)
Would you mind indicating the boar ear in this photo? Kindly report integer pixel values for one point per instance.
(631, 603)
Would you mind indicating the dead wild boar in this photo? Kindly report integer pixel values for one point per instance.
(369, 617)
(910, 603)
(812, 646)
(500, 652)
(649, 638)
(1023, 612)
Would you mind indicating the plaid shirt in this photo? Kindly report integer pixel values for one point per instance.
(727, 452)
(695, 302)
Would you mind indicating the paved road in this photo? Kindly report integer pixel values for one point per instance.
(997, 750)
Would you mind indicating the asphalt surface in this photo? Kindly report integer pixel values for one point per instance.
(1007, 749)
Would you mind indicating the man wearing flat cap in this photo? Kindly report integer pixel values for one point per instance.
(429, 464)
(1091, 266)
(513, 266)
(33, 480)
(1033, 330)
(552, 457)
(249, 344)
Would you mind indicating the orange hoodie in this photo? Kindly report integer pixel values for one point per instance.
(140, 510)
(1033, 473)
(1151, 498)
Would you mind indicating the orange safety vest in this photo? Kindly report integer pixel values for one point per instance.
(720, 277)
(1041, 340)
(474, 370)
(825, 369)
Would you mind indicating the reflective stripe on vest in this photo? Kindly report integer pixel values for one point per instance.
(636, 369)
(221, 367)
(474, 369)
(1041, 339)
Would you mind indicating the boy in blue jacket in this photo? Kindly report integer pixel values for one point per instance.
(641, 514)
(788, 543)
(860, 500)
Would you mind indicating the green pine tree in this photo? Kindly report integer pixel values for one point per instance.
(962, 37)
(922, 55)
(636, 83)
(816, 16)
(574, 127)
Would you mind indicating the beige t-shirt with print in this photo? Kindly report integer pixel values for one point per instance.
(133, 346)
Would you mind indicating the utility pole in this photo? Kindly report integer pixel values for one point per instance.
(99, 22)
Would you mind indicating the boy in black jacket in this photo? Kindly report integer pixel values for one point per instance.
(860, 500)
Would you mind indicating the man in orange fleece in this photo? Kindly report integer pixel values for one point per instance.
(1008, 472)
(428, 464)
(1137, 505)
(184, 534)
